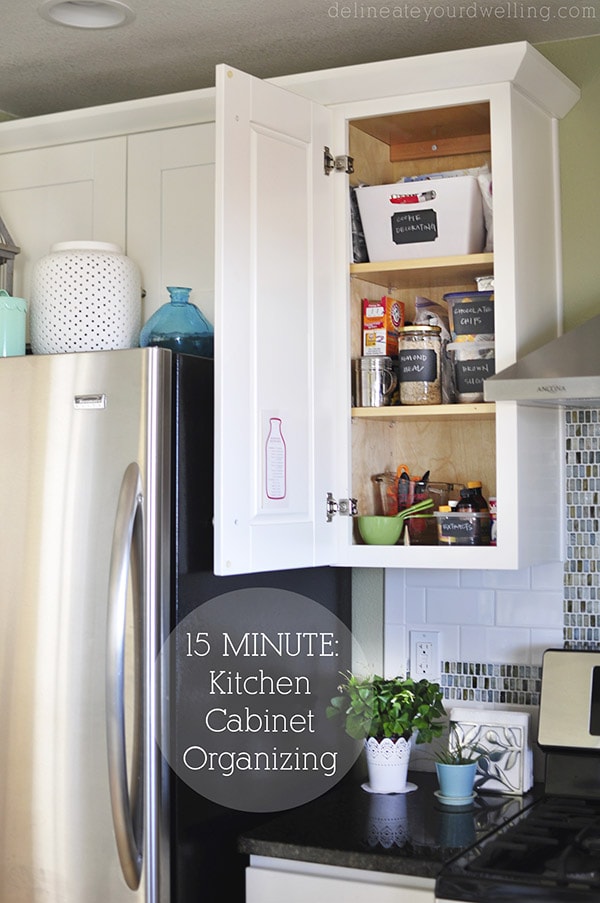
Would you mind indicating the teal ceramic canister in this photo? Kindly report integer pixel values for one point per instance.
(13, 312)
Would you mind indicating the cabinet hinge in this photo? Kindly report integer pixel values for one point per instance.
(343, 163)
(347, 507)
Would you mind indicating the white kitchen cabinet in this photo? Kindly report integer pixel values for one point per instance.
(286, 294)
(59, 193)
(140, 174)
(170, 212)
(287, 315)
(273, 880)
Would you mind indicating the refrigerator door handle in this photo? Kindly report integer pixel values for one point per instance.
(124, 676)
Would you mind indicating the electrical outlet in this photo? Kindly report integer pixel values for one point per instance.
(424, 655)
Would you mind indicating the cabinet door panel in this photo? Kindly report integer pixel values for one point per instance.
(66, 193)
(170, 226)
(272, 331)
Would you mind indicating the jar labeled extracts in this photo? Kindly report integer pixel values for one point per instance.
(419, 359)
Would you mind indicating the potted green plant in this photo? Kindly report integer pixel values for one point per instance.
(456, 767)
(389, 714)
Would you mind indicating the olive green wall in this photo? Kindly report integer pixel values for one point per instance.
(367, 618)
(579, 139)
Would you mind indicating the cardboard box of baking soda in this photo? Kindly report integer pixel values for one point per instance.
(381, 321)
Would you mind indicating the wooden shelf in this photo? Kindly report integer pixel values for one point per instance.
(428, 127)
(438, 412)
(429, 271)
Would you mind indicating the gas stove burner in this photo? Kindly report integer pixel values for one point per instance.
(580, 861)
(591, 840)
(574, 866)
(552, 847)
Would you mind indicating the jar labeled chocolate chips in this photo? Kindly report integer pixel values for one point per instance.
(419, 357)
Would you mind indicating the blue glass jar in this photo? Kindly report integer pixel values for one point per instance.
(179, 325)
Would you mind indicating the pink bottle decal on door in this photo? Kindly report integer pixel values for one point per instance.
(275, 459)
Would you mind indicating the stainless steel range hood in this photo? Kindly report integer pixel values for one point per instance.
(563, 373)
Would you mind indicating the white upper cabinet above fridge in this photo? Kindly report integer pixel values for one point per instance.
(292, 453)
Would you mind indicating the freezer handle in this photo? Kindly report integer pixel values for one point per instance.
(126, 570)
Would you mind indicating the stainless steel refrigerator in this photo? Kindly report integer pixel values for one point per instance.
(106, 476)
(85, 464)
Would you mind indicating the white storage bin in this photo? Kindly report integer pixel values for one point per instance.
(432, 218)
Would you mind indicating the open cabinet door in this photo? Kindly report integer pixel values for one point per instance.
(274, 329)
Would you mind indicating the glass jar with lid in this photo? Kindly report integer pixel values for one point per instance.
(420, 364)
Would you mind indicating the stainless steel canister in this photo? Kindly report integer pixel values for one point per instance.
(373, 381)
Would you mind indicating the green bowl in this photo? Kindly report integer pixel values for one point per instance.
(378, 530)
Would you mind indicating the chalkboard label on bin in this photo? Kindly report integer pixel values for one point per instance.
(466, 528)
(409, 227)
(471, 374)
(473, 318)
(418, 365)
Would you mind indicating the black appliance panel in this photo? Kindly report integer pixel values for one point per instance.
(204, 835)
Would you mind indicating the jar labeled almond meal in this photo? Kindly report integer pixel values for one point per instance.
(419, 358)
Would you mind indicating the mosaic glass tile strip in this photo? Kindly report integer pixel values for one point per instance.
(491, 682)
(581, 605)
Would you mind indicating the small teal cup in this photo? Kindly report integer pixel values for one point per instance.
(13, 314)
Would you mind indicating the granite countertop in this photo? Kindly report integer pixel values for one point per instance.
(410, 834)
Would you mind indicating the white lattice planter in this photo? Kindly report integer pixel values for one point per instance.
(85, 296)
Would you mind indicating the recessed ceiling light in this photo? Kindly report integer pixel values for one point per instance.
(87, 13)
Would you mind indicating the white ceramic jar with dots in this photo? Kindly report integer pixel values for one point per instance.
(85, 296)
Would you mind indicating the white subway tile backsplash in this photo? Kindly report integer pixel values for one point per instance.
(483, 616)
(508, 579)
(508, 644)
(493, 644)
(426, 577)
(473, 644)
(480, 615)
(395, 581)
(396, 607)
(544, 639)
(471, 578)
(529, 609)
(457, 606)
(547, 577)
(415, 606)
(449, 640)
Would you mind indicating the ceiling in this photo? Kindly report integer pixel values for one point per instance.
(174, 45)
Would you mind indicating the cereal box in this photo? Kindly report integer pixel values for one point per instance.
(381, 321)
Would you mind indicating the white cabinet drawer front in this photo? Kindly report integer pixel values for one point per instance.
(273, 886)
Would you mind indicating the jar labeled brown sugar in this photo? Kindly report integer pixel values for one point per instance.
(419, 357)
